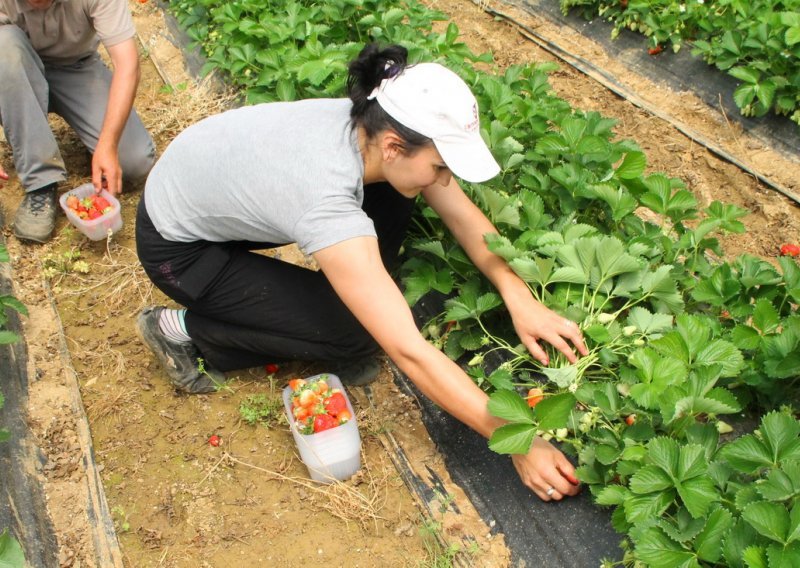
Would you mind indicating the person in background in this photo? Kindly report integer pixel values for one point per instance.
(49, 63)
(339, 177)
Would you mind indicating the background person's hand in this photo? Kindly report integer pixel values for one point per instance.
(545, 467)
(106, 171)
(534, 321)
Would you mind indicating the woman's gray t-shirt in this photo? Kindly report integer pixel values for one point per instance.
(272, 173)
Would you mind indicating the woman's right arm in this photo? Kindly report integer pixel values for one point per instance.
(356, 272)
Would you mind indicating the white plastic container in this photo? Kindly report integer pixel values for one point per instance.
(95, 229)
(329, 455)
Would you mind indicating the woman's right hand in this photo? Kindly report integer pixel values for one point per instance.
(3, 174)
(545, 467)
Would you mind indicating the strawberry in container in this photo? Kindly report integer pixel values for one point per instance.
(96, 215)
(324, 427)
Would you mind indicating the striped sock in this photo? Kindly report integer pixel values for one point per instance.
(171, 323)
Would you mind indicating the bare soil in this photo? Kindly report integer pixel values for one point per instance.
(178, 501)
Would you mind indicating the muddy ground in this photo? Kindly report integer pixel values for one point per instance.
(178, 501)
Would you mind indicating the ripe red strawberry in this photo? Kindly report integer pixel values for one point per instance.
(296, 384)
(324, 422)
(655, 50)
(271, 368)
(100, 202)
(630, 420)
(94, 213)
(214, 440)
(335, 404)
(344, 416)
(790, 250)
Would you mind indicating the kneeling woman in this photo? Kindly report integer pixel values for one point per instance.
(339, 178)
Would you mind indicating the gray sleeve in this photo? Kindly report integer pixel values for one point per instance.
(332, 223)
(112, 21)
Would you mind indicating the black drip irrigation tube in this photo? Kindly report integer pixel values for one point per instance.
(550, 11)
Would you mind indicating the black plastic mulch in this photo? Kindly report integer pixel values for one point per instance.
(23, 509)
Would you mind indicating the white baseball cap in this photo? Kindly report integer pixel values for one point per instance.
(435, 102)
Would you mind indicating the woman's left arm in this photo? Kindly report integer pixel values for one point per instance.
(532, 320)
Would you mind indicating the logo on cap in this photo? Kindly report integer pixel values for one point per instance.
(473, 124)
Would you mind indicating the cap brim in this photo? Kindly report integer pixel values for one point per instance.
(469, 158)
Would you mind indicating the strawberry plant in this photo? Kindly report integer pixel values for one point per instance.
(8, 302)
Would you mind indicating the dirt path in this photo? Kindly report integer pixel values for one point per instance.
(176, 500)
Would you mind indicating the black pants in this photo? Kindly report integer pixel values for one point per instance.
(246, 309)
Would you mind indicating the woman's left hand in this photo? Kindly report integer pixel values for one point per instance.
(534, 321)
(546, 471)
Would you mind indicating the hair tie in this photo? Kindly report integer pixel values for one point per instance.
(390, 71)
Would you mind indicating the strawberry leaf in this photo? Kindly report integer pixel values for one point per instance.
(8, 337)
(724, 354)
(553, 412)
(512, 439)
(781, 484)
(784, 556)
(769, 519)
(755, 557)
(561, 376)
(11, 555)
(708, 543)
(632, 166)
(765, 316)
(650, 479)
(747, 454)
(612, 495)
(644, 508)
(534, 271)
(697, 495)
(508, 405)
(780, 433)
(649, 323)
(655, 549)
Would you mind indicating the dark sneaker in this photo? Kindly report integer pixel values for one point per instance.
(36, 216)
(182, 361)
(357, 373)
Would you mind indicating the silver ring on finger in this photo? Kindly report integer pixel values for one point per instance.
(550, 491)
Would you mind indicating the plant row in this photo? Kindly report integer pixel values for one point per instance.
(11, 554)
(679, 336)
(756, 42)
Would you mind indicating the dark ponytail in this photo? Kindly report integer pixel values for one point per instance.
(366, 72)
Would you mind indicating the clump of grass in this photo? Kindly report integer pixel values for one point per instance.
(261, 409)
